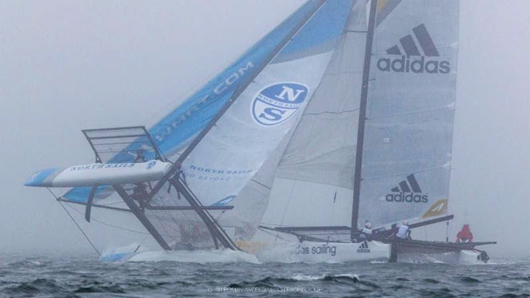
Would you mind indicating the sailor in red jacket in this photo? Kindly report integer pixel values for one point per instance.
(464, 235)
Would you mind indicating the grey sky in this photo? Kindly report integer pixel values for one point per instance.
(70, 65)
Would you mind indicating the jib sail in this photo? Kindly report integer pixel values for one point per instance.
(237, 159)
(314, 180)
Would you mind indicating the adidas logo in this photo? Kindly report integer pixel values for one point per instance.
(408, 62)
(408, 191)
(363, 248)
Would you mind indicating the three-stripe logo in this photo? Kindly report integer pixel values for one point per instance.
(408, 191)
(364, 248)
(409, 50)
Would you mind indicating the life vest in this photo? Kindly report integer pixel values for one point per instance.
(403, 232)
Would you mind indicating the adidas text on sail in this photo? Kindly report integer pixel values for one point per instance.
(412, 60)
(407, 191)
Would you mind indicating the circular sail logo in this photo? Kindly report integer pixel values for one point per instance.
(276, 103)
(151, 164)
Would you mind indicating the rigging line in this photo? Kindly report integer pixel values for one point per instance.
(169, 211)
(75, 222)
(259, 183)
(138, 247)
(217, 219)
(107, 224)
(289, 201)
(172, 219)
(272, 234)
(162, 224)
(169, 231)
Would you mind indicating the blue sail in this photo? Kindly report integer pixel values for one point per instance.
(173, 131)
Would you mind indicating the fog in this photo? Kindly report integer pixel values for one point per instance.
(71, 65)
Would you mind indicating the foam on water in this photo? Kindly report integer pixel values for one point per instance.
(302, 277)
(199, 256)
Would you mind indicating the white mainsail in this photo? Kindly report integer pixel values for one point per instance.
(410, 112)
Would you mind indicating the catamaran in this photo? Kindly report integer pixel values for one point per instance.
(343, 114)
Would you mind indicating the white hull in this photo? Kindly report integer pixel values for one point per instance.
(292, 252)
(464, 257)
(321, 252)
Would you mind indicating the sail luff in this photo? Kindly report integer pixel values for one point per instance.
(362, 118)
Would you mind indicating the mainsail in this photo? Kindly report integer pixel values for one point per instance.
(410, 112)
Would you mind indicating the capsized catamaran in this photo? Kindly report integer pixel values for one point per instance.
(330, 108)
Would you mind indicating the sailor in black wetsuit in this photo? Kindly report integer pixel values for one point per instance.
(140, 194)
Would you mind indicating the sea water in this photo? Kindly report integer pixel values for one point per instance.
(200, 275)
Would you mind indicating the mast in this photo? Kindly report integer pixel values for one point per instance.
(362, 117)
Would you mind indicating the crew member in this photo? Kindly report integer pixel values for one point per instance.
(404, 231)
(140, 156)
(366, 232)
(465, 235)
(140, 194)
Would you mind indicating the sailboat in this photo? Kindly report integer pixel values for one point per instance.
(340, 115)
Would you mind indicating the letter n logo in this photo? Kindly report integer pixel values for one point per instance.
(276, 103)
(291, 94)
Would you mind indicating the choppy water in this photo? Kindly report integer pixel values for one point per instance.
(87, 277)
